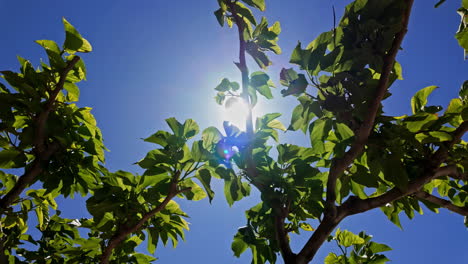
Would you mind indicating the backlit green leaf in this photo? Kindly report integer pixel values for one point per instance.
(74, 42)
(419, 100)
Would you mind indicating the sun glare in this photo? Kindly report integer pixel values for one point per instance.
(236, 112)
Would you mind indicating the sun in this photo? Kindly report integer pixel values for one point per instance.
(236, 111)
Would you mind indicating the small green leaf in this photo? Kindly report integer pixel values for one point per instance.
(347, 239)
(260, 4)
(332, 258)
(343, 131)
(419, 100)
(238, 246)
(204, 176)
(73, 92)
(74, 42)
(219, 16)
(306, 227)
(398, 70)
(376, 247)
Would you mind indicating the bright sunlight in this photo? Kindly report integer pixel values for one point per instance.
(235, 111)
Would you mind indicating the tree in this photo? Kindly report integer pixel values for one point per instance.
(59, 145)
(359, 158)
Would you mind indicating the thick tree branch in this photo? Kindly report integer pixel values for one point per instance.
(442, 203)
(362, 134)
(282, 237)
(356, 205)
(41, 150)
(325, 228)
(332, 214)
(122, 233)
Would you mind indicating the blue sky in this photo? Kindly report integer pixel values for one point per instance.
(157, 59)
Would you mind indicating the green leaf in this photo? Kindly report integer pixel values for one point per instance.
(245, 12)
(210, 137)
(306, 227)
(107, 217)
(175, 126)
(395, 172)
(296, 83)
(462, 37)
(261, 82)
(300, 56)
(463, 93)
(419, 100)
(347, 239)
(196, 193)
(376, 247)
(343, 131)
(225, 85)
(219, 16)
(160, 138)
(53, 52)
(258, 55)
(277, 125)
(74, 42)
(219, 98)
(190, 128)
(320, 130)
(10, 158)
(454, 111)
(204, 176)
(238, 246)
(73, 91)
(398, 70)
(332, 258)
(260, 4)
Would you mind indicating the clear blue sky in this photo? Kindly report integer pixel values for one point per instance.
(157, 59)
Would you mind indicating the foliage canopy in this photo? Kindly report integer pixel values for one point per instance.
(359, 157)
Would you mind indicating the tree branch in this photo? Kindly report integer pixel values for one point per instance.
(41, 151)
(124, 232)
(442, 203)
(355, 205)
(282, 237)
(318, 237)
(333, 215)
(362, 134)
